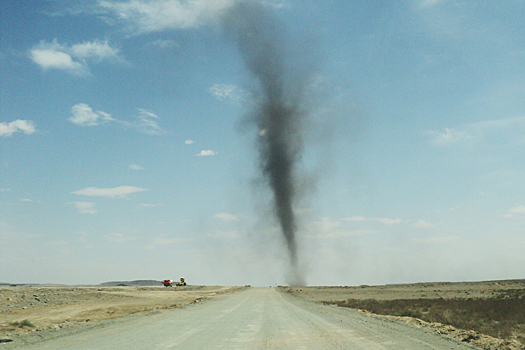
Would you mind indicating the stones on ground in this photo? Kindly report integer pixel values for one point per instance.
(5, 340)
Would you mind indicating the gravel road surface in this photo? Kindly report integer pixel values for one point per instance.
(257, 318)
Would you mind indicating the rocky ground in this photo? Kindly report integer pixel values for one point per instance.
(39, 312)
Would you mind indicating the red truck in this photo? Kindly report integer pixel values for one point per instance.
(167, 283)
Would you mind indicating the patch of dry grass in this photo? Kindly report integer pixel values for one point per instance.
(502, 316)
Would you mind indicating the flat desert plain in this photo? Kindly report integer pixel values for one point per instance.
(31, 313)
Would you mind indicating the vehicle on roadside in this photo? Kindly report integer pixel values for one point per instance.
(167, 283)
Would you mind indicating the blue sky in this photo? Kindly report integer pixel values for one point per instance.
(124, 151)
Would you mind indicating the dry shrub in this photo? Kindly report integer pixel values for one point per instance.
(21, 324)
(500, 317)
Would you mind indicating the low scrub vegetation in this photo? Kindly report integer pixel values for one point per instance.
(22, 324)
(502, 316)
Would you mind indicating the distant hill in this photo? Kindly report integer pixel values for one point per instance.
(132, 283)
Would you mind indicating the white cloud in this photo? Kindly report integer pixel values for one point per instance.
(119, 237)
(96, 49)
(26, 200)
(72, 58)
(519, 209)
(449, 137)
(205, 153)
(135, 167)
(51, 59)
(158, 15)
(226, 217)
(83, 115)
(423, 224)
(384, 221)
(25, 126)
(229, 93)
(120, 191)
(146, 123)
(436, 240)
(85, 207)
(508, 131)
(165, 43)
(188, 142)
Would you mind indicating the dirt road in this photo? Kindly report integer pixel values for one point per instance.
(257, 318)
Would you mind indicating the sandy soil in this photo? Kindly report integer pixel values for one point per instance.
(30, 310)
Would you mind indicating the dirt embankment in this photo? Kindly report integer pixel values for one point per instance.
(463, 309)
(31, 310)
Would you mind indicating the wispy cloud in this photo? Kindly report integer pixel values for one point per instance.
(226, 217)
(73, 59)
(135, 167)
(158, 15)
(146, 121)
(205, 153)
(384, 221)
(118, 237)
(229, 93)
(25, 126)
(449, 137)
(436, 240)
(505, 131)
(423, 224)
(165, 44)
(520, 209)
(117, 192)
(85, 207)
(189, 142)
